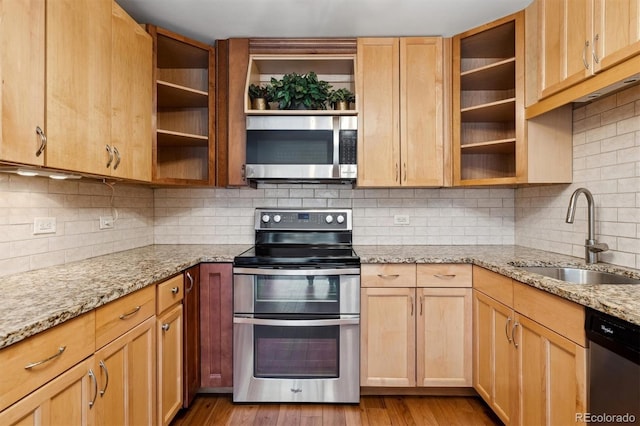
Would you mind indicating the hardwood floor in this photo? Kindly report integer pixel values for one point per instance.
(215, 409)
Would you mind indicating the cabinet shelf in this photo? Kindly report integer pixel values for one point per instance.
(503, 146)
(171, 138)
(338, 70)
(177, 96)
(503, 110)
(496, 76)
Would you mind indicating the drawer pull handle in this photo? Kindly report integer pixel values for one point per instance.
(445, 276)
(106, 375)
(190, 278)
(95, 388)
(61, 349)
(128, 314)
(388, 276)
(175, 290)
(43, 141)
(166, 326)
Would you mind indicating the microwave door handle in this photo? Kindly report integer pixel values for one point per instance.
(336, 146)
(345, 320)
(297, 272)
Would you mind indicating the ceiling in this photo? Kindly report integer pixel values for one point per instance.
(209, 20)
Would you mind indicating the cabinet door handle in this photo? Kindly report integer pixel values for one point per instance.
(404, 171)
(595, 49)
(175, 290)
(29, 366)
(106, 375)
(513, 334)
(506, 329)
(95, 388)
(43, 141)
(584, 54)
(243, 172)
(421, 300)
(445, 276)
(397, 172)
(190, 278)
(117, 153)
(411, 304)
(110, 151)
(388, 276)
(166, 326)
(130, 313)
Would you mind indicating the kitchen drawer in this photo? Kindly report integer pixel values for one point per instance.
(170, 292)
(388, 275)
(444, 275)
(493, 285)
(116, 318)
(49, 353)
(560, 315)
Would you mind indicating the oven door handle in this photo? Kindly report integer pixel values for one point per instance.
(299, 272)
(343, 320)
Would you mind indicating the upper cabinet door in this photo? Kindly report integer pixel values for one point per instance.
(22, 81)
(564, 44)
(616, 32)
(78, 84)
(131, 97)
(378, 85)
(421, 111)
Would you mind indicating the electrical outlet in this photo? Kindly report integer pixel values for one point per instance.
(401, 219)
(106, 222)
(44, 225)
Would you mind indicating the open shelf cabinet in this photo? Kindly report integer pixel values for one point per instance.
(336, 69)
(183, 148)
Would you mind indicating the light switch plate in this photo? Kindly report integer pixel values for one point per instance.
(44, 225)
(401, 219)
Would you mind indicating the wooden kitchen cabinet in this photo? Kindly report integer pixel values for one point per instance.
(216, 325)
(425, 330)
(131, 98)
(577, 39)
(184, 102)
(191, 332)
(529, 353)
(78, 85)
(22, 82)
(66, 400)
(169, 353)
(402, 104)
(492, 141)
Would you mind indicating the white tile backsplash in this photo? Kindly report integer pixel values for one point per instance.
(606, 159)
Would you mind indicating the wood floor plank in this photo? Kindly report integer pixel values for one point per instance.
(219, 410)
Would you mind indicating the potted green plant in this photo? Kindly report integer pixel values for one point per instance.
(300, 91)
(259, 96)
(341, 98)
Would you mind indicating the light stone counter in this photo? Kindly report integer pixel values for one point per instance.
(35, 301)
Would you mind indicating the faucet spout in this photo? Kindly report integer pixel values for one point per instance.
(592, 247)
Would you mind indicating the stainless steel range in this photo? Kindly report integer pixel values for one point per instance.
(296, 314)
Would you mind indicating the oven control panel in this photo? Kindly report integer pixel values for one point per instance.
(311, 220)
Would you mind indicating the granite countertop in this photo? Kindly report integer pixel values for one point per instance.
(37, 300)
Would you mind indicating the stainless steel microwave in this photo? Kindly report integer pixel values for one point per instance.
(302, 148)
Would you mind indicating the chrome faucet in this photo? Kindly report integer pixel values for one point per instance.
(591, 246)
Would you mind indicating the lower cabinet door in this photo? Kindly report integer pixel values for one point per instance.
(191, 328)
(66, 400)
(126, 370)
(169, 364)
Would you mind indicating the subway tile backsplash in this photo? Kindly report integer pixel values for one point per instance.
(606, 160)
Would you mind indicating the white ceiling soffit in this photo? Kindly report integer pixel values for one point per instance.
(209, 20)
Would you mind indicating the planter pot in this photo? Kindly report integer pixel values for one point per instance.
(259, 103)
(341, 105)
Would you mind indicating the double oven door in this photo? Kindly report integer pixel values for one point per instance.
(296, 335)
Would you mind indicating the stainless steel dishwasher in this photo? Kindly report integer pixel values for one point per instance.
(614, 370)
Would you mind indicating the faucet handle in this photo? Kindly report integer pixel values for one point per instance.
(597, 247)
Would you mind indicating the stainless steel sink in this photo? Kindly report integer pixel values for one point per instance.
(580, 276)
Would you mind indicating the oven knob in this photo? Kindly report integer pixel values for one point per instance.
(277, 218)
(340, 219)
(329, 218)
(265, 218)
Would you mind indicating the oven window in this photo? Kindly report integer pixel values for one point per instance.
(297, 294)
(289, 147)
(296, 352)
